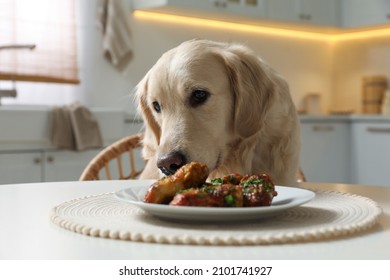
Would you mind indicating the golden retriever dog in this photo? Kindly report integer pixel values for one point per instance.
(219, 104)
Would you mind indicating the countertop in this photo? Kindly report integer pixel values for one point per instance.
(345, 118)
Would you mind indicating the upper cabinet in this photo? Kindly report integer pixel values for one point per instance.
(211, 9)
(314, 12)
(363, 13)
(245, 8)
(320, 13)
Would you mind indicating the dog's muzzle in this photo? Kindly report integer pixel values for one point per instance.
(170, 163)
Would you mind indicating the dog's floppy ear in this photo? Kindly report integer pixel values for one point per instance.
(152, 129)
(254, 87)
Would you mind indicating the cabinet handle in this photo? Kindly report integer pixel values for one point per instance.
(305, 16)
(323, 128)
(379, 129)
(50, 159)
(388, 16)
(37, 161)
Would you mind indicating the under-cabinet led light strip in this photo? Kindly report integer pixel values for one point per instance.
(343, 35)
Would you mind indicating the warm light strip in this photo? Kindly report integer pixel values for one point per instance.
(347, 35)
(229, 25)
(363, 34)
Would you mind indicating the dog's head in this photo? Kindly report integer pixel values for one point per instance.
(201, 97)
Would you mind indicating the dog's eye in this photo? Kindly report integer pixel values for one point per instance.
(198, 97)
(156, 106)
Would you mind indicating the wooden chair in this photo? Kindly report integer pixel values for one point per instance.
(300, 176)
(112, 153)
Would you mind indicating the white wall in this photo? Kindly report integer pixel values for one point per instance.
(353, 60)
(101, 84)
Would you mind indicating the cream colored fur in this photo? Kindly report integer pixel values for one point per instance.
(248, 124)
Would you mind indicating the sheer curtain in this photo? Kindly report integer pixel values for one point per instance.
(49, 25)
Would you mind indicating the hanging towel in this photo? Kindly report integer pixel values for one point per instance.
(74, 127)
(61, 132)
(113, 21)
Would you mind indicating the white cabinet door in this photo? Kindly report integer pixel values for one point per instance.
(320, 12)
(371, 153)
(284, 10)
(317, 12)
(247, 8)
(24, 167)
(211, 9)
(325, 151)
(239, 7)
(359, 13)
(66, 165)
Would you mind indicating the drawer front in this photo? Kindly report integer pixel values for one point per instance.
(371, 153)
(21, 167)
(325, 152)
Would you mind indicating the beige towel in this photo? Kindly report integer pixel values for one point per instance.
(74, 127)
(113, 21)
(61, 132)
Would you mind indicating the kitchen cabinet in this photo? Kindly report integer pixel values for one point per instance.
(362, 13)
(371, 153)
(319, 13)
(65, 165)
(43, 165)
(21, 167)
(26, 154)
(47, 164)
(212, 9)
(254, 8)
(346, 149)
(245, 8)
(313, 12)
(325, 150)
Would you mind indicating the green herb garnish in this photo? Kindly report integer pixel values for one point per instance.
(229, 199)
(252, 182)
(217, 181)
(267, 187)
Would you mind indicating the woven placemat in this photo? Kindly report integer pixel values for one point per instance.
(329, 215)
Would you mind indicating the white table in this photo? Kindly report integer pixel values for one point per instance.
(27, 233)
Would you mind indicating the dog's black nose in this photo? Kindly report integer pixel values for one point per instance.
(171, 162)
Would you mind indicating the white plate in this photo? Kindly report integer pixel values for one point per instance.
(287, 198)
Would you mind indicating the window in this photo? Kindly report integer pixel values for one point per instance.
(50, 26)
